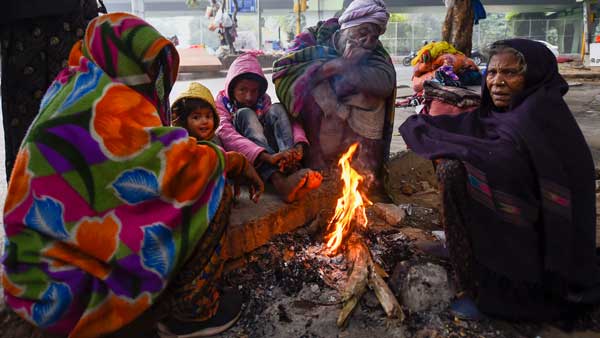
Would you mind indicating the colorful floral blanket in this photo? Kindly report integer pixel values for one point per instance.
(106, 201)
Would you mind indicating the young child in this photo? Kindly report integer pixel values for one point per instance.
(262, 131)
(195, 110)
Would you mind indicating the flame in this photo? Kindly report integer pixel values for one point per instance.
(350, 206)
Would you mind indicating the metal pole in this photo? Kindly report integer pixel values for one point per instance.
(298, 19)
(137, 8)
(586, 27)
(564, 31)
(412, 33)
(319, 10)
(396, 38)
(260, 37)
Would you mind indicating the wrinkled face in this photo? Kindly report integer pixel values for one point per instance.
(200, 123)
(504, 79)
(246, 92)
(364, 35)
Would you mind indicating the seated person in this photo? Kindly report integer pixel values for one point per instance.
(262, 131)
(114, 220)
(195, 111)
(518, 186)
(340, 82)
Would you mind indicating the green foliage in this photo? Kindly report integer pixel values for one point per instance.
(512, 15)
(192, 3)
(398, 17)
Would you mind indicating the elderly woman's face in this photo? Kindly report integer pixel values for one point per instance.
(505, 79)
(364, 35)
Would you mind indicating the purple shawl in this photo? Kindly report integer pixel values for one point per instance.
(531, 180)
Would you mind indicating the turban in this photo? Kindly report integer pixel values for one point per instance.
(365, 11)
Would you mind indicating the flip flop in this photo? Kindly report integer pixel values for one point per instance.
(465, 309)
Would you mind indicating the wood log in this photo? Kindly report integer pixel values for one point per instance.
(357, 253)
(365, 272)
(385, 296)
(349, 307)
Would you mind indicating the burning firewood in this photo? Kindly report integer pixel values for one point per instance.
(350, 212)
(365, 273)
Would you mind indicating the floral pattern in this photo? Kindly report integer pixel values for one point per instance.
(106, 200)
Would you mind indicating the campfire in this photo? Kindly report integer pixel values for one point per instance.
(349, 214)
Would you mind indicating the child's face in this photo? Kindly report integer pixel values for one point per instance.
(200, 123)
(246, 92)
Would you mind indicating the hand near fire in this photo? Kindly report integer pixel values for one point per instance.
(285, 160)
(241, 172)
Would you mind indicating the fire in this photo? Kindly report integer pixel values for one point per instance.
(350, 206)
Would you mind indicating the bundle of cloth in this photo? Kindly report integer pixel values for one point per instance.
(440, 60)
(448, 100)
(440, 74)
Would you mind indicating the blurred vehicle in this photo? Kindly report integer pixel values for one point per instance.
(407, 59)
(478, 57)
(553, 48)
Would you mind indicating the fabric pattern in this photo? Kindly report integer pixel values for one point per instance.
(293, 78)
(106, 202)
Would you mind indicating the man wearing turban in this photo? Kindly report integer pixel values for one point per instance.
(340, 82)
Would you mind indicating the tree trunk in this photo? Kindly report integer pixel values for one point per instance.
(458, 26)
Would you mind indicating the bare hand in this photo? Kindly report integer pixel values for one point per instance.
(255, 185)
(243, 173)
(298, 152)
(354, 53)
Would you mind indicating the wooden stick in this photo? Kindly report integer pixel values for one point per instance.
(385, 295)
(349, 307)
(359, 255)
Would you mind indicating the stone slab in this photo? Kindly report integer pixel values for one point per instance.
(253, 225)
(197, 60)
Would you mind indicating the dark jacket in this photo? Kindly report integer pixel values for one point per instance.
(14, 10)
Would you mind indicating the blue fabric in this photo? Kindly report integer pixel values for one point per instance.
(271, 131)
(479, 11)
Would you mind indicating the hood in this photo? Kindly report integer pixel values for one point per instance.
(130, 51)
(197, 91)
(245, 63)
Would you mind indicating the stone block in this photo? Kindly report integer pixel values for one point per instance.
(426, 287)
(390, 213)
(253, 225)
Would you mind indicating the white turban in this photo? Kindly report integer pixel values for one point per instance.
(365, 11)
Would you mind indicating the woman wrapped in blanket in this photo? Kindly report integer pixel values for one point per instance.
(111, 211)
(517, 181)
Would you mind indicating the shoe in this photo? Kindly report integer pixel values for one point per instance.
(229, 311)
(465, 309)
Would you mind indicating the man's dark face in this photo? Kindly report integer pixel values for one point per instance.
(365, 36)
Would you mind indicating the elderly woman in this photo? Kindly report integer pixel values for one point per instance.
(339, 107)
(517, 180)
(108, 207)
